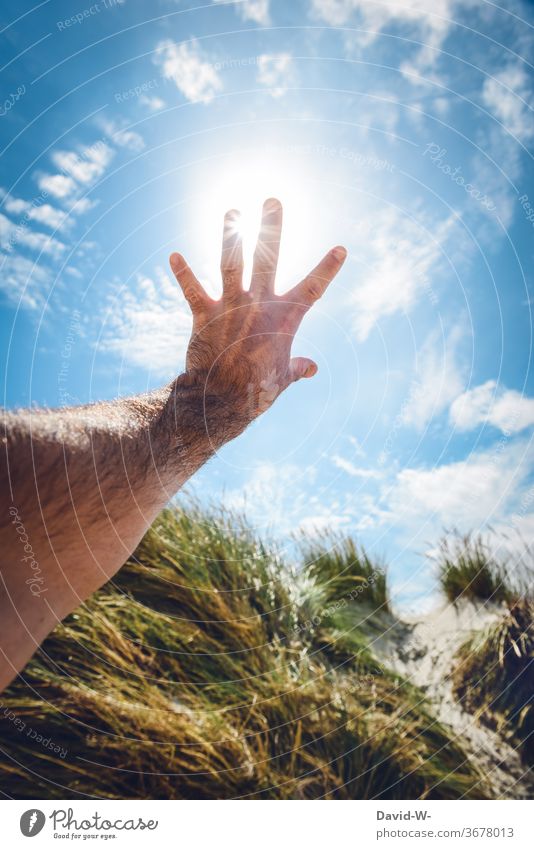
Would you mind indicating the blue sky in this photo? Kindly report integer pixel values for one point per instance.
(403, 130)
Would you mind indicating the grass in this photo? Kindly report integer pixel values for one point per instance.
(494, 677)
(494, 670)
(343, 598)
(468, 570)
(209, 669)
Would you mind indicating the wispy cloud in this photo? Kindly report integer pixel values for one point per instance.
(86, 166)
(81, 168)
(23, 281)
(78, 170)
(283, 498)
(275, 72)
(438, 378)
(122, 136)
(148, 325)
(491, 403)
(152, 103)
(354, 471)
(43, 213)
(252, 10)
(185, 64)
(400, 255)
(273, 496)
(13, 236)
(508, 96)
(428, 20)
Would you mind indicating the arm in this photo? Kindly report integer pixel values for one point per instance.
(81, 486)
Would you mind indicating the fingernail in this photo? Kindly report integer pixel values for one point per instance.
(311, 370)
(339, 253)
(272, 204)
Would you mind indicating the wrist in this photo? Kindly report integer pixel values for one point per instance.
(199, 417)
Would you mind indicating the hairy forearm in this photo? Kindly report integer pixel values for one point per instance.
(81, 486)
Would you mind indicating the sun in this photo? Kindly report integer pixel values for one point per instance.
(243, 183)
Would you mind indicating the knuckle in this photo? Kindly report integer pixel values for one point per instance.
(314, 290)
(230, 274)
(193, 297)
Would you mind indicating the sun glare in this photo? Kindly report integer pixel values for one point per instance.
(244, 184)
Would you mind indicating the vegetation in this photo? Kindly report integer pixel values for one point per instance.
(494, 677)
(209, 669)
(469, 571)
(494, 670)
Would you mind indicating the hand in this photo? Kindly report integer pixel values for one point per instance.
(240, 348)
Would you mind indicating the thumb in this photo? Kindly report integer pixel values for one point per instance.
(301, 367)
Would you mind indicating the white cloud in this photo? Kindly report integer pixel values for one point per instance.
(123, 137)
(15, 206)
(252, 10)
(154, 104)
(437, 381)
(51, 216)
(74, 272)
(427, 13)
(81, 168)
(467, 494)
(149, 325)
(508, 96)
(57, 185)
(401, 254)
(497, 177)
(427, 19)
(323, 522)
(354, 471)
(23, 281)
(489, 403)
(273, 496)
(279, 498)
(82, 205)
(42, 243)
(14, 235)
(274, 72)
(6, 227)
(197, 79)
(84, 167)
(284, 498)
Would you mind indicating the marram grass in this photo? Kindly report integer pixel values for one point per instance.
(468, 571)
(494, 677)
(208, 669)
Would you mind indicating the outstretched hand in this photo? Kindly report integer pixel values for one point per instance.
(240, 346)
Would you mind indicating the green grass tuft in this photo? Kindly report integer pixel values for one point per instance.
(467, 570)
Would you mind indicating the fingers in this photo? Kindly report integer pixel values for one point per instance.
(267, 249)
(309, 290)
(300, 367)
(194, 292)
(232, 255)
